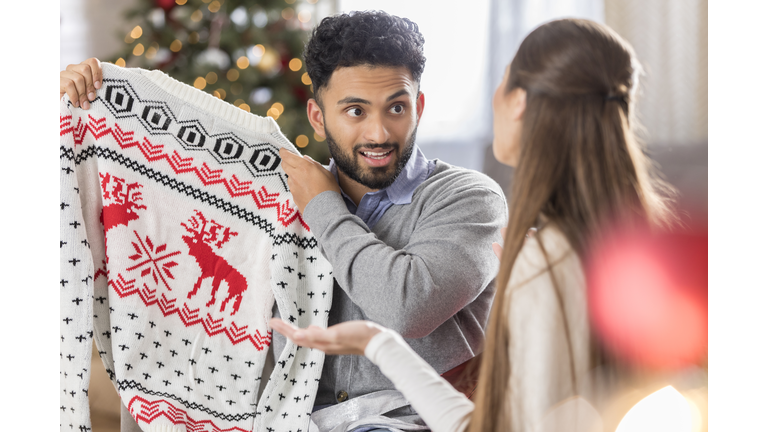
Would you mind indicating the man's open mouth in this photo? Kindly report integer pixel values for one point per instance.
(376, 155)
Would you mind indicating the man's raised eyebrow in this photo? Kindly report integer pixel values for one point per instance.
(352, 99)
(397, 94)
(357, 100)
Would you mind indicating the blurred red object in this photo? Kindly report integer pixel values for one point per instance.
(165, 4)
(648, 296)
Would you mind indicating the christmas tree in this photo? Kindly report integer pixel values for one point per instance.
(247, 53)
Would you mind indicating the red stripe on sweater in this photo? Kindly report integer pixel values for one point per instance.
(147, 412)
(189, 317)
(286, 213)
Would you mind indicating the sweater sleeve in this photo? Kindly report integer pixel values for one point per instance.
(445, 265)
(442, 407)
(75, 288)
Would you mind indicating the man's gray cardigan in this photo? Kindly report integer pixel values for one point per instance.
(426, 270)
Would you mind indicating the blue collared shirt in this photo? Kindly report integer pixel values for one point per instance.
(374, 204)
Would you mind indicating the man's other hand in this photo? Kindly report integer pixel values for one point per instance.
(80, 82)
(349, 337)
(306, 178)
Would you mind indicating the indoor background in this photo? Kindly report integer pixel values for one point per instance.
(468, 45)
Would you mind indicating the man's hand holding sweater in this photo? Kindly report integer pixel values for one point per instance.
(306, 178)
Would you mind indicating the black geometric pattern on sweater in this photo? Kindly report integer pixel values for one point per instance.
(131, 384)
(190, 191)
(158, 119)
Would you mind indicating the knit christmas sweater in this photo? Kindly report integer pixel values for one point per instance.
(178, 234)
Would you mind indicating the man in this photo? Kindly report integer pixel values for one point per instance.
(409, 238)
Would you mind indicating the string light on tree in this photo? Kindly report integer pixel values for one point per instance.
(302, 141)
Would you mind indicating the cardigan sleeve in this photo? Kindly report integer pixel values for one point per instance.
(441, 407)
(446, 264)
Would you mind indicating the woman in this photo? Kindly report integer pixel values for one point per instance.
(562, 117)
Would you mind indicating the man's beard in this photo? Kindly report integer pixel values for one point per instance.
(372, 177)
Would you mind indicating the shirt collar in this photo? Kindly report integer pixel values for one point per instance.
(415, 171)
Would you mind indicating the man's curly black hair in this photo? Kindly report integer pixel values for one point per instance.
(363, 38)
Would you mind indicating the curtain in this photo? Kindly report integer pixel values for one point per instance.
(670, 40)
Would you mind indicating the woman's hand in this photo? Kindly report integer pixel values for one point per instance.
(350, 337)
(80, 82)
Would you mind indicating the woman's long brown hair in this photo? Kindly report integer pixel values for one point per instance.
(580, 166)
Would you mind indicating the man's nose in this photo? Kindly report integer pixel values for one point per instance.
(376, 131)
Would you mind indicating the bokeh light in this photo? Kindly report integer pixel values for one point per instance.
(136, 32)
(120, 62)
(261, 95)
(175, 46)
(200, 83)
(151, 51)
(663, 411)
(243, 62)
(306, 79)
(211, 78)
(233, 74)
(648, 297)
(138, 50)
(294, 64)
(305, 16)
(270, 62)
(318, 138)
(302, 141)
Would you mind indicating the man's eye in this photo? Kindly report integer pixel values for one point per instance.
(354, 112)
(397, 109)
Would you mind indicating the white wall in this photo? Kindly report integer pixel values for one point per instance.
(91, 28)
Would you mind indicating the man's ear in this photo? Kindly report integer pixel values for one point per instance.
(419, 106)
(315, 116)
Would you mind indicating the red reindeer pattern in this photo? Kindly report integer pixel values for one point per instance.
(213, 266)
(126, 197)
(123, 209)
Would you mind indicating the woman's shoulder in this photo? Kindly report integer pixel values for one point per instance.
(532, 262)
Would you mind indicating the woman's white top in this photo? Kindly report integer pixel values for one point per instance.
(543, 374)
